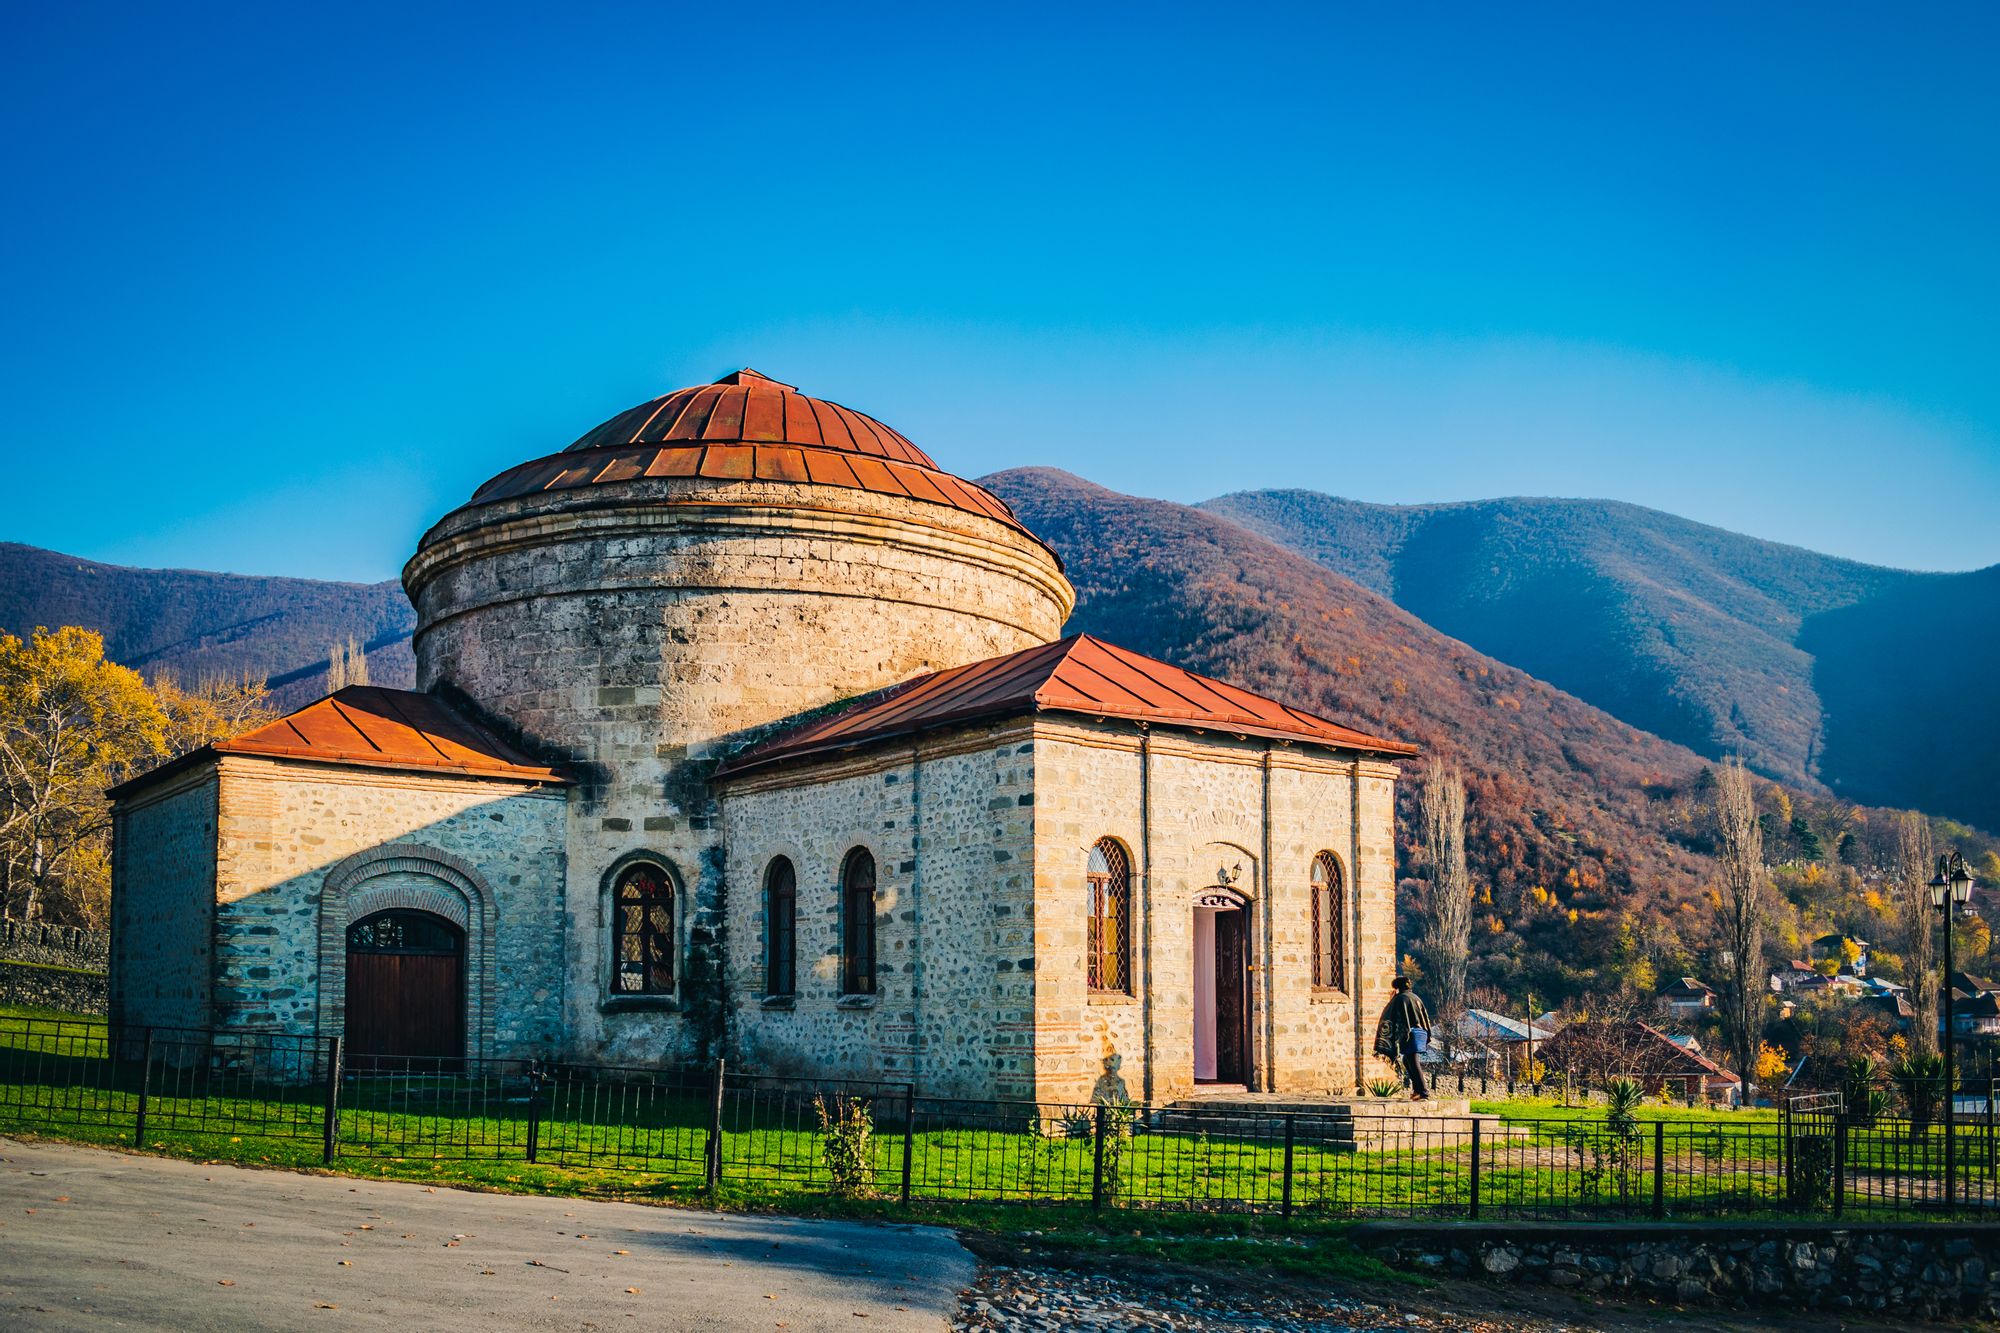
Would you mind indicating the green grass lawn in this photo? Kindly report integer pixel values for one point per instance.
(648, 1141)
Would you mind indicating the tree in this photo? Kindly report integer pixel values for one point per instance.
(1740, 904)
(217, 708)
(71, 724)
(346, 664)
(1447, 894)
(1919, 922)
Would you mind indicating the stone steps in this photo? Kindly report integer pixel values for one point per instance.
(1353, 1124)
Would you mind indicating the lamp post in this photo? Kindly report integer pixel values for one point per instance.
(1951, 890)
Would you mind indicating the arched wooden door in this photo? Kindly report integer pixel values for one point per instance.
(405, 990)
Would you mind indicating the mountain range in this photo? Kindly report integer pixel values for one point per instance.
(1872, 682)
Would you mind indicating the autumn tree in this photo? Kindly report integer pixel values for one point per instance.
(1919, 922)
(346, 664)
(71, 724)
(1740, 904)
(217, 708)
(1447, 891)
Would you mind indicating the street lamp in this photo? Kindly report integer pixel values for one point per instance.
(1951, 890)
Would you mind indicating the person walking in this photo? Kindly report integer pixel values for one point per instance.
(1404, 1034)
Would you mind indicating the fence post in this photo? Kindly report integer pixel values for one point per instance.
(1659, 1170)
(534, 1111)
(1472, 1210)
(1950, 1155)
(713, 1154)
(145, 1091)
(1839, 1165)
(330, 1126)
(1097, 1159)
(1291, 1136)
(1991, 1171)
(909, 1136)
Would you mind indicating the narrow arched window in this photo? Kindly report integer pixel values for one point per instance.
(1329, 920)
(642, 926)
(781, 921)
(857, 924)
(1110, 876)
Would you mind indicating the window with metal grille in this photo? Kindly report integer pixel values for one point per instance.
(781, 917)
(1329, 917)
(1110, 876)
(642, 926)
(857, 924)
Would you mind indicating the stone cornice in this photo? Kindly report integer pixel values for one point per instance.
(974, 540)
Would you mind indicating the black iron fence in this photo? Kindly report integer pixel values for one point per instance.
(750, 1136)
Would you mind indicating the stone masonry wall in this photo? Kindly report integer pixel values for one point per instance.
(948, 821)
(1929, 1270)
(637, 632)
(58, 946)
(1193, 814)
(66, 990)
(163, 903)
(305, 849)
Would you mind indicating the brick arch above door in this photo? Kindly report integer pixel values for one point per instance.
(412, 877)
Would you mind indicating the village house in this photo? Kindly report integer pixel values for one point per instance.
(1686, 997)
(744, 729)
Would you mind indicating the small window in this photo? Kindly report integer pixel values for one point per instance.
(643, 930)
(781, 919)
(1110, 876)
(1329, 921)
(857, 922)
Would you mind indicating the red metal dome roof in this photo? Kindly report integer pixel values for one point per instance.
(751, 408)
(749, 427)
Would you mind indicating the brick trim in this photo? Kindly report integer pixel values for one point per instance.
(457, 892)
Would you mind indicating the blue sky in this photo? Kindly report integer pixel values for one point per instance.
(279, 286)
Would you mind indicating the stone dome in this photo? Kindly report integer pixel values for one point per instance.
(748, 427)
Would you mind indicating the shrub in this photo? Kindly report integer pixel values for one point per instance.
(847, 1129)
(1383, 1087)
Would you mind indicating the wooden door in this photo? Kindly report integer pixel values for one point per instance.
(405, 991)
(1232, 1007)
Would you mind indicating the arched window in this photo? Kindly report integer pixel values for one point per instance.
(781, 928)
(1329, 913)
(642, 927)
(1110, 878)
(857, 924)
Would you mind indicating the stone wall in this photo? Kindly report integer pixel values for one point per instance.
(163, 902)
(948, 820)
(68, 990)
(637, 631)
(982, 838)
(1197, 813)
(1925, 1269)
(306, 849)
(59, 946)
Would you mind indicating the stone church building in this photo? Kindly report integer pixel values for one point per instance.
(743, 729)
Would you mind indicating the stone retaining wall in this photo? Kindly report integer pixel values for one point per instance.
(62, 946)
(44, 987)
(1926, 1269)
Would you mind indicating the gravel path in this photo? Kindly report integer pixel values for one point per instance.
(1035, 1299)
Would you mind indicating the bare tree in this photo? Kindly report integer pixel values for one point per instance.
(1447, 893)
(1913, 894)
(346, 664)
(1741, 903)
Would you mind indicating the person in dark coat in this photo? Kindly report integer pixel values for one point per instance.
(1397, 1034)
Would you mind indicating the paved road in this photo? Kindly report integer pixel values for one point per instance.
(95, 1239)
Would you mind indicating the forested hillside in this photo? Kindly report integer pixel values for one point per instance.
(1725, 643)
(190, 624)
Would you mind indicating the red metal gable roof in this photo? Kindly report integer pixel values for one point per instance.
(375, 727)
(1080, 674)
(368, 724)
